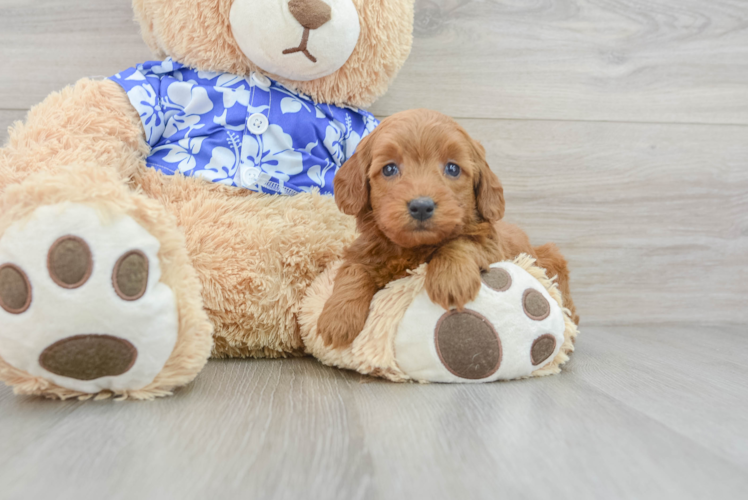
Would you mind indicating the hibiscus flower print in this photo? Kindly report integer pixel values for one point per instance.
(183, 152)
(273, 153)
(146, 102)
(184, 107)
(197, 123)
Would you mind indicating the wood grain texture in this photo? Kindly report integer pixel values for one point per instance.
(46, 45)
(613, 60)
(653, 218)
(639, 413)
(661, 60)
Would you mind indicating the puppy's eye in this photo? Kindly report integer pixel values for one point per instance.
(452, 170)
(390, 170)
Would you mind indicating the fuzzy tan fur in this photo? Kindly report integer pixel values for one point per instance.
(255, 256)
(97, 187)
(373, 350)
(383, 46)
(239, 262)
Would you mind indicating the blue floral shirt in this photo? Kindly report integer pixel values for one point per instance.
(248, 132)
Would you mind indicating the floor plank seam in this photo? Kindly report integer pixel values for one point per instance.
(578, 120)
(661, 424)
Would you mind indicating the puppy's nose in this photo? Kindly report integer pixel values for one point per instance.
(311, 14)
(421, 208)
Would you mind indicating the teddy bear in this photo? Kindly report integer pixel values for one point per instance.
(183, 209)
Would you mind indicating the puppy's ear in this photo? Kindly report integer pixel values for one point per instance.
(489, 193)
(352, 180)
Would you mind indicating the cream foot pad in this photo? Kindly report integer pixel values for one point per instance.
(515, 328)
(81, 302)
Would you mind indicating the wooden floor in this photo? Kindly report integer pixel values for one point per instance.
(640, 413)
(620, 131)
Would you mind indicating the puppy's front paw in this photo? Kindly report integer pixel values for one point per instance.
(339, 328)
(452, 285)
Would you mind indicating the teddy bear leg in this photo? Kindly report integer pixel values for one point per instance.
(97, 293)
(514, 328)
(256, 255)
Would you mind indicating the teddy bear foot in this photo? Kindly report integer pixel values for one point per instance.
(515, 328)
(512, 329)
(81, 302)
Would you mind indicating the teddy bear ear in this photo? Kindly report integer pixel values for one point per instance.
(384, 45)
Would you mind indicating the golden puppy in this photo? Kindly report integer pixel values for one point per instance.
(421, 191)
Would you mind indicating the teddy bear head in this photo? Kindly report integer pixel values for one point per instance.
(337, 51)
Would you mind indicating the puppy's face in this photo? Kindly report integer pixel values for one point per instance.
(422, 179)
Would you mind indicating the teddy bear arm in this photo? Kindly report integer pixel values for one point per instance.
(90, 122)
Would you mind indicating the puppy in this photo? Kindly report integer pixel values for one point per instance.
(421, 191)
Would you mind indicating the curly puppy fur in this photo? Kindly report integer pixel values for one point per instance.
(434, 159)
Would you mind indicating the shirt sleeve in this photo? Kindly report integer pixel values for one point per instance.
(144, 91)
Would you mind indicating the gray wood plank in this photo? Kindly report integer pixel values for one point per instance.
(46, 45)
(623, 60)
(653, 218)
(662, 61)
(616, 424)
(697, 390)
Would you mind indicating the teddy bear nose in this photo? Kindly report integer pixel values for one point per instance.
(421, 208)
(311, 14)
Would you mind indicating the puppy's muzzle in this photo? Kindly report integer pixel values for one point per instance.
(421, 209)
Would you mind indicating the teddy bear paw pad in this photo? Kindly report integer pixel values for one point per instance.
(512, 328)
(81, 302)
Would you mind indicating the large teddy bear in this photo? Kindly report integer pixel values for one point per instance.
(182, 208)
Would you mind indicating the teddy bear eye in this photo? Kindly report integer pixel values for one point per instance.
(389, 170)
(452, 170)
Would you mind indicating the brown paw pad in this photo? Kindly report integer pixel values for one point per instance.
(15, 289)
(69, 262)
(535, 305)
(542, 348)
(468, 345)
(497, 279)
(88, 357)
(130, 276)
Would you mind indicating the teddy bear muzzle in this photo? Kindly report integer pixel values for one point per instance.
(299, 40)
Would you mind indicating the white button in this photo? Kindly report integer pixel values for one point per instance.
(261, 80)
(250, 174)
(257, 123)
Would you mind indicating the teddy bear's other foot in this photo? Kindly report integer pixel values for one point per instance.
(512, 329)
(81, 301)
